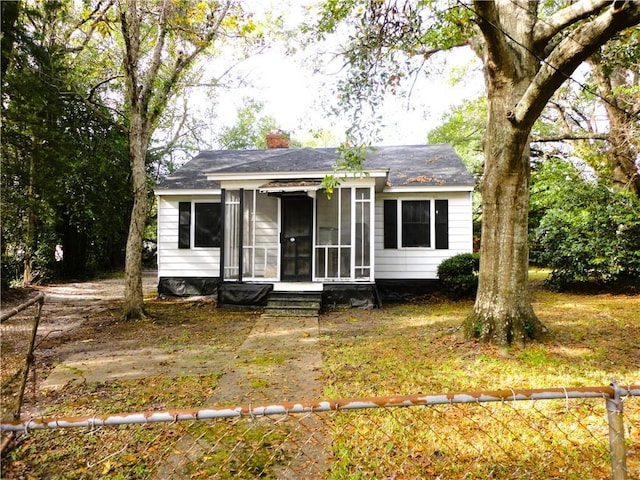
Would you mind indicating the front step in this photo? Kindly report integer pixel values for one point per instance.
(293, 304)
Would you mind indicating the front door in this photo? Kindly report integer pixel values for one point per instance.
(297, 227)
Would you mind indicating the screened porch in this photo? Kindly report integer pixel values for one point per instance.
(301, 235)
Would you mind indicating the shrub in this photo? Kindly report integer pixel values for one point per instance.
(593, 237)
(459, 275)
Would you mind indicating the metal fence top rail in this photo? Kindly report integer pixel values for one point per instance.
(613, 391)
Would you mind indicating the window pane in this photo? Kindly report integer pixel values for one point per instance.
(415, 223)
(207, 227)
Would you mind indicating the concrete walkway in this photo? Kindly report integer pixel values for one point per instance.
(278, 361)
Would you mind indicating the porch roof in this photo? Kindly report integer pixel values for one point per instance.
(408, 166)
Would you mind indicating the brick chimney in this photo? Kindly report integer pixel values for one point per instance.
(278, 139)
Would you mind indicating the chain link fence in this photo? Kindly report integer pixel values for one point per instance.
(514, 434)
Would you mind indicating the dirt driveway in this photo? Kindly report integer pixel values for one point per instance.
(83, 339)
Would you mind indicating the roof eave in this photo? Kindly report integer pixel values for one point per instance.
(217, 176)
(428, 188)
(186, 191)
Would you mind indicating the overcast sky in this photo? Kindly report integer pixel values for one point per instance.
(292, 93)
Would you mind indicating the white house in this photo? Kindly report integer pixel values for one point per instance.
(243, 223)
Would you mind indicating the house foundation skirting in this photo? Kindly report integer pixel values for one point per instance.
(399, 290)
(244, 294)
(188, 286)
(333, 294)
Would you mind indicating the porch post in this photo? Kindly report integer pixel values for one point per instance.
(223, 229)
(240, 234)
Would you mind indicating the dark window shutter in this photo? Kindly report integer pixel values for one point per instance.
(207, 226)
(416, 229)
(184, 225)
(390, 224)
(442, 224)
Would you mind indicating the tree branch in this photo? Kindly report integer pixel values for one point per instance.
(98, 14)
(156, 58)
(547, 28)
(426, 54)
(566, 57)
(495, 40)
(130, 25)
(183, 62)
(569, 137)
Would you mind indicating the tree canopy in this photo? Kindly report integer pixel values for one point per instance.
(64, 167)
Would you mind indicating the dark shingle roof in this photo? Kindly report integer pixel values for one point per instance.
(412, 165)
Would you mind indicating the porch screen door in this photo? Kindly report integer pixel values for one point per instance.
(297, 225)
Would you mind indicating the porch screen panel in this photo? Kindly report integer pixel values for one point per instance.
(345, 216)
(326, 254)
(260, 239)
(363, 233)
(232, 234)
(345, 233)
(333, 235)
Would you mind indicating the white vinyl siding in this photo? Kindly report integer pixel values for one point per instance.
(422, 263)
(182, 262)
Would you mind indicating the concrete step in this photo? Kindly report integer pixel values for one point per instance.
(293, 304)
(289, 312)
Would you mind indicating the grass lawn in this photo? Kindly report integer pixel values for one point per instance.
(399, 349)
(418, 348)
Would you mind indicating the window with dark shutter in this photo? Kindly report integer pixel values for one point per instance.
(207, 225)
(390, 224)
(416, 231)
(442, 224)
(184, 225)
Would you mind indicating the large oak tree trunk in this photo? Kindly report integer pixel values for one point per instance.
(503, 312)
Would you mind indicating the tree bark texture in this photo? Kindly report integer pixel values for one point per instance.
(503, 312)
(133, 294)
(138, 141)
